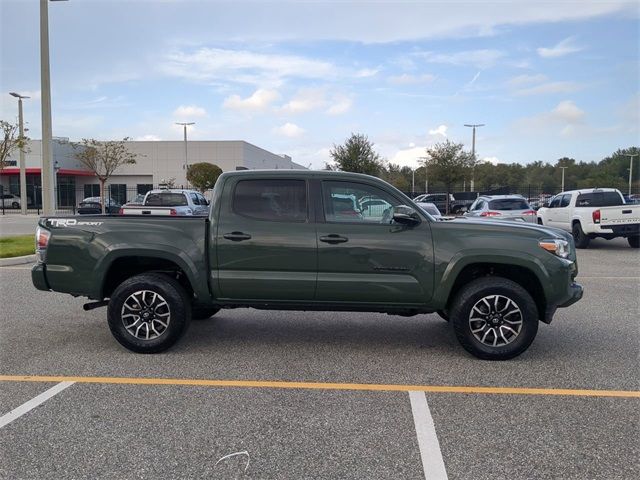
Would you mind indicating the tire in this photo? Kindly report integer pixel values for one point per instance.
(511, 296)
(202, 313)
(169, 303)
(579, 237)
(634, 242)
(540, 222)
(444, 314)
(15, 205)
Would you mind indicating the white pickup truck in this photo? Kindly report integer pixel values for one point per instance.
(173, 202)
(592, 213)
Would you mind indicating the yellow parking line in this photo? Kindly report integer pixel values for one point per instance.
(324, 386)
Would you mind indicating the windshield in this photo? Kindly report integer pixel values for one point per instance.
(167, 199)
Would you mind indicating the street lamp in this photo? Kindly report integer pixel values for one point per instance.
(23, 170)
(48, 199)
(473, 150)
(563, 169)
(186, 158)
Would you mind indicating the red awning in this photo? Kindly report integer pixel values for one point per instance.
(62, 171)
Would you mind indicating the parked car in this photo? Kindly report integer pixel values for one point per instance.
(493, 281)
(502, 207)
(431, 209)
(440, 201)
(10, 200)
(93, 206)
(137, 200)
(169, 202)
(592, 213)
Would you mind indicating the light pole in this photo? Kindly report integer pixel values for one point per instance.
(48, 198)
(473, 151)
(186, 158)
(563, 169)
(631, 169)
(23, 170)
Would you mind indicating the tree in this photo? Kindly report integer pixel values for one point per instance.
(11, 141)
(103, 158)
(203, 175)
(449, 163)
(357, 155)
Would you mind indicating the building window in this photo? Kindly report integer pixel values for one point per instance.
(143, 188)
(118, 192)
(91, 190)
(66, 191)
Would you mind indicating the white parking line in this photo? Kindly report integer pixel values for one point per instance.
(432, 462)
(33, 403)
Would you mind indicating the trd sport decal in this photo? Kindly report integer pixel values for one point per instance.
(70, 222)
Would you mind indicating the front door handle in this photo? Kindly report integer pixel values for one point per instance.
(237, 236)
(333, 238)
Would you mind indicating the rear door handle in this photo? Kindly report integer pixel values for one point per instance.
(237, 236)
(333, 238)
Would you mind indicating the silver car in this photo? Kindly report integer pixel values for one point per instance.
(431, 209)
(502, 207)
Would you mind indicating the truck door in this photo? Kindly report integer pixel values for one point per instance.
(363, 256)
(265, 242)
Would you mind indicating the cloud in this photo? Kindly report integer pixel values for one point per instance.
(492, 160)
(148, 138)
(189, 111)
(408, 157)
(366, 72)
(565, 118)
(408, 79)
(479, 59)
(550, 87)
(441, 130)
(526, 79)
(567, 111)
(341, 104)
(290, 130)
(305, 100)
(217, 65)
(565, 47)
(258, 101)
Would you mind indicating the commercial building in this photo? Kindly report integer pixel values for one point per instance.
(157, 162)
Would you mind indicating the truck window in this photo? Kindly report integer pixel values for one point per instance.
(555, 202)
(566, 199)
(166, 199)
(599, 199)
(356, 202)
(195, 199)
(274, 200)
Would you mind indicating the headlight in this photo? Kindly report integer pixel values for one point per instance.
(557, 247)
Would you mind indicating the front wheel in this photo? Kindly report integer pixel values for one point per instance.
(148, 313)
(494, 318)
(634, 242)
(579, 237)
(15, 205)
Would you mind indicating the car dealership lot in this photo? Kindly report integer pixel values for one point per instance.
(99, 427)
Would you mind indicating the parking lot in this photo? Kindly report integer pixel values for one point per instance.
(323, 395)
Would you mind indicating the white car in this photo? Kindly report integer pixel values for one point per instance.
(172, 202)
(10, 201)
(431, 209)
(592, 213)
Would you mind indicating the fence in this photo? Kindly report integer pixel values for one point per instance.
(68, 197)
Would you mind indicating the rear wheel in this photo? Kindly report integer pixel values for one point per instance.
(579, 237)
(494, 318)
(15, 205)
(634, 242)
(148, 313)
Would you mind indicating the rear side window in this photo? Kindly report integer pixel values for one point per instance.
(508, 204)
(274, 200)
(167, 199)
(599, 199)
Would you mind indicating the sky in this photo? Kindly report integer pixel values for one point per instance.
(547, 78)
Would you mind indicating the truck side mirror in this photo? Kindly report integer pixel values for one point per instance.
(405, 215)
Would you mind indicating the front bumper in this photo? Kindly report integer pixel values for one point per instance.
(574, 294)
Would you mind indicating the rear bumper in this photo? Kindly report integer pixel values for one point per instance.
(625, 230)
(39, 277)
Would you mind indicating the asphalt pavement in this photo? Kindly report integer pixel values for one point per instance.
(106, 430)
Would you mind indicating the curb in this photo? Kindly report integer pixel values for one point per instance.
(6, 262)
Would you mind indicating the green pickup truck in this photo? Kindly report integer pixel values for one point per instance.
(310, 240)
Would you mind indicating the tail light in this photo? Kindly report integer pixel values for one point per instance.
(529, 212)
(173, 212)
(596, 216)
(121, 211)
(42, 241)
(490, 214)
